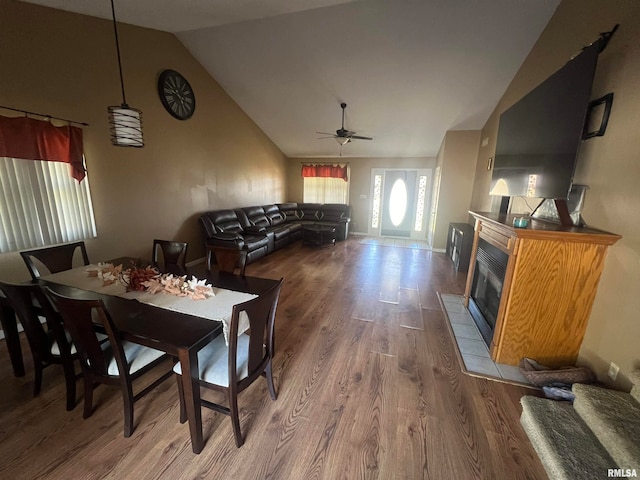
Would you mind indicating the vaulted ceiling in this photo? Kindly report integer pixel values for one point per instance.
(409, 70)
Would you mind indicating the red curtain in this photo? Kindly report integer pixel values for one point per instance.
(31, 139)
(331, 171)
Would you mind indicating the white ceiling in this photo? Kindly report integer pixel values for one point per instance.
(409, 70)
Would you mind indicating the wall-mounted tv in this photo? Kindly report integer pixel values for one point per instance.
(539, 136)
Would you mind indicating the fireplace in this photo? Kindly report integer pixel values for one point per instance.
(486, 288)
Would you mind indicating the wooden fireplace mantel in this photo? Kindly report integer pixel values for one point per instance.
(550, 283)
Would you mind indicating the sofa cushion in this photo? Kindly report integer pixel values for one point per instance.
(309, 212)
(281, 231)
(289, 211)
(232, 240)
(273, 213)
(295, 227)
(253, 242)
(256, 216)
(220, 221)
(335, 213)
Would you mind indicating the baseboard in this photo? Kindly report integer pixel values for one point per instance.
(197, 261)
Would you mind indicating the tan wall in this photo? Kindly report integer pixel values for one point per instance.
(457, 158)
(360, 181)
(609, 164)
(65, 64)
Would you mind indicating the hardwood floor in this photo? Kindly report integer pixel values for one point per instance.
(368, 383)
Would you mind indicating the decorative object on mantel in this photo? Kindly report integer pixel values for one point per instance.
(565, 212)
(149, 279)
(125, 122)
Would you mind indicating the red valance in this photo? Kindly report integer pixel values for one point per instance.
(330, 171)
(31, 139)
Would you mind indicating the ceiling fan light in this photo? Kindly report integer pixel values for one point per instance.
(342, 140)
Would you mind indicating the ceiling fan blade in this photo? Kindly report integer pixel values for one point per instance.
(358, 137)
(342, 135)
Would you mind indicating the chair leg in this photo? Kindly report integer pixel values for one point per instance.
(235, 419)
(127, 398)
(183, 408)
(37, 379)
(269, 375)
(88, 398)
(70, 380)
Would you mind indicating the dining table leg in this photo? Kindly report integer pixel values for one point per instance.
(191, 387)
(10, 328)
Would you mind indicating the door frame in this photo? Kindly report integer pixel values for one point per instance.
(426, 217)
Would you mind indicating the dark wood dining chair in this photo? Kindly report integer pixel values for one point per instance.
(49, 344)
(227, 259)
(174, 256)
(118, 362)
(232, 368)
(54, 259)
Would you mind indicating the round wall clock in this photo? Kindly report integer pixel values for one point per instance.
(176, 94)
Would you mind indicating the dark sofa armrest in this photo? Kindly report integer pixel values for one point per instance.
(232, 240)
(255, 229)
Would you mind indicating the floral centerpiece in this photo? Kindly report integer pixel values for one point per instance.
(136, 277)
(149, 279)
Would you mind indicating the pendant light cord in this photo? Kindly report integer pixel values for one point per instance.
(115, 31)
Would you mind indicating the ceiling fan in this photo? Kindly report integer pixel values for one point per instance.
(344, 136)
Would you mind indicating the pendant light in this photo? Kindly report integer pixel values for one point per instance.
(125, 123)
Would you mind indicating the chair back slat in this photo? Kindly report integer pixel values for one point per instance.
(261, 312)
(54, 259)
(80, 317)
(21, 299)
(174, 255)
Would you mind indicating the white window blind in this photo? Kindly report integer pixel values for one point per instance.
(325, 190)
(41, 204)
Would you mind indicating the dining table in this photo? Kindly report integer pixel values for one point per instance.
(179, 334)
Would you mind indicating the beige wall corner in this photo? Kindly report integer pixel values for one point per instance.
(457, 159)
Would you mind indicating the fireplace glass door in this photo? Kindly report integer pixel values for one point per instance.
(486, 289)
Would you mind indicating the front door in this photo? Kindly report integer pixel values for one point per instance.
(398, 203)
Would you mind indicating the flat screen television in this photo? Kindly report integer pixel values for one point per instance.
(539, 136)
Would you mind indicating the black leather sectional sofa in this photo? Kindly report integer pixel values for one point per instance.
(261, 230)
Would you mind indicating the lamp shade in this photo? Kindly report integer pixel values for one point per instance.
(342, 140)
(125, 126)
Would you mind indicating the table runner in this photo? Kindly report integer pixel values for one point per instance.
(217, 308)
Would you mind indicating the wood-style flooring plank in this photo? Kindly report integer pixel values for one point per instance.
(368, 382)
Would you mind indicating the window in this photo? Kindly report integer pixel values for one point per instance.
(42, 204)
(325, 183)
(377, 195)
(422, 190)
(325, 190)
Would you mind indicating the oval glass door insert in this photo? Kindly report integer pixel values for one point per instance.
(398, 202)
